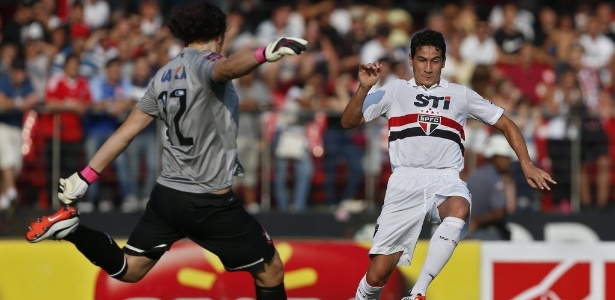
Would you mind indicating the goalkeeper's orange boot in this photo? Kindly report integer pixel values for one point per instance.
(54, 227)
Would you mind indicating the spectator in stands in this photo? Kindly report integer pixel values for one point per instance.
(352, 42)
(292, 144)
(321, 53)
(561, 40)
(493, 192)
(284, 21)
(546, 25)
(508, 37)
(67, 98)
(523, 19)
(254, 98)
(456, 70)
(37, 55)
(568, 113)
(594, 186)
(479, 47)
(604, 14)
(80, 45)
(598, 48)
(111, 104)
(594, 143)
(16, 95)
(378, 46)
(341, 145)
(528, 75)
(8, 52)
(96, 13)
(555, 111)
(140, 149)
(44, 13)
(528, 118)
(151, 19)
(13, 31)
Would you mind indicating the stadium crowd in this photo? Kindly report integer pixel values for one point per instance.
(70, 71)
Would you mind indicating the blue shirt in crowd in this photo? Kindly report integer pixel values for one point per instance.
(14, 117)
(104, 123)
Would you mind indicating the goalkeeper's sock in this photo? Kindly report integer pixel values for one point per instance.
(366, 291)
(271, 293)
(441, 247)
(100, 249)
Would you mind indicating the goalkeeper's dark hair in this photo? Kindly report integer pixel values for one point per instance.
(197, 21)
(428, 37)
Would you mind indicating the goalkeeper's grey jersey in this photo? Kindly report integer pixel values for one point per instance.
(201, 116)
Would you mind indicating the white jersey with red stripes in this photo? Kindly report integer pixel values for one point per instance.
(426, 124)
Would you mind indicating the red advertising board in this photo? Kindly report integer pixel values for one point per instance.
(314, 270)
(548, 271)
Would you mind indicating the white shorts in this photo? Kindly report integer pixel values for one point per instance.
(10, 147)
(412, 196)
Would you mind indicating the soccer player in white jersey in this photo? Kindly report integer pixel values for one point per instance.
(193, 94)
(426, 116)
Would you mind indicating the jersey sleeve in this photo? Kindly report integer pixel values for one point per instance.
(149, 101)
(205, 67)
(378, 102)
(482, 109)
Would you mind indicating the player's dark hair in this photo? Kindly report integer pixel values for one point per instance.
(428, 37)
(197, 21)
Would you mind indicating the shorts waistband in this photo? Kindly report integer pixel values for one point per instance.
(425, 171)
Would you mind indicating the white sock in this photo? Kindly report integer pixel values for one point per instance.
(440, 250)
(366, 291)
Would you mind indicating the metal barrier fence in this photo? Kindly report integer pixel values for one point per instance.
(371, 182)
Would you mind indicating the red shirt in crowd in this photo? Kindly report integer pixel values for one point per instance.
(62, 88)
(529, 79)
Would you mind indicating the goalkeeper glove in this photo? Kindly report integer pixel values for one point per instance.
(282, 46)
(74, 187)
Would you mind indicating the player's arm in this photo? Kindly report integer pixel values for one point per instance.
(75, 186)
(536, 177)
(244, 62)
(369, 74)
(119, 140)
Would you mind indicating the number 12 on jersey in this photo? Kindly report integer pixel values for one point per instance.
(175, 134)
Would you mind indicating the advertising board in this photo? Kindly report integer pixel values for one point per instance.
(547, 271)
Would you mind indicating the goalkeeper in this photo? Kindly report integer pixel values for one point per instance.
(194, 96)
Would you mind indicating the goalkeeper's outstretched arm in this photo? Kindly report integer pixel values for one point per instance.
(244, 62)
(75, 186)
(119, 140)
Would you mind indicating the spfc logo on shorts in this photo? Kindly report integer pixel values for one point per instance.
(429, 123)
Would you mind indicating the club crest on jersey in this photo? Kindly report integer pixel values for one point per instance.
(429, 123)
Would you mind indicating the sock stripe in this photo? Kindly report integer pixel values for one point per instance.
(122, 270)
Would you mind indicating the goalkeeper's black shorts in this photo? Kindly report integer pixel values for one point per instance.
(218, 223)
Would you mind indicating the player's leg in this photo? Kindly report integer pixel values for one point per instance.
(453, 212)
(148, 241)
(95, 245)
(239, 241)
(104, 252)
(380, 268)
(398, 228)
(269, 279)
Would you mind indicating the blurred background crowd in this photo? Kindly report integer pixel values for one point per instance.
(71, 70)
